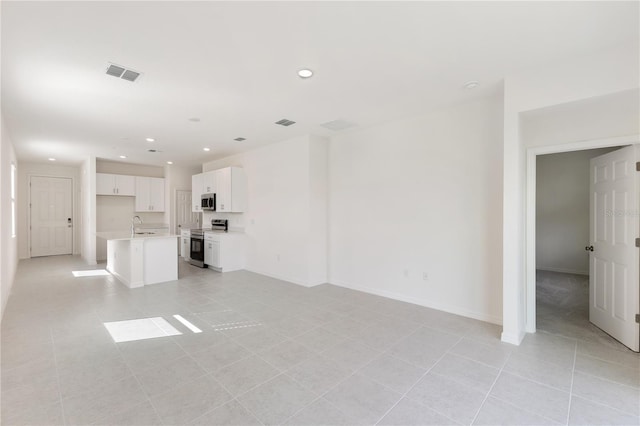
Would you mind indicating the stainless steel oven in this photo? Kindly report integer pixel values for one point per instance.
(197, 248)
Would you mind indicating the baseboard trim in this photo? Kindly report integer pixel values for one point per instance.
(514, 338)
(562, 270)
(421, 302)
(282, 277)
(125, 281)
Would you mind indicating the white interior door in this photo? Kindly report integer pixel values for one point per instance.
(613, 263)
(51, 216)
(184, 215)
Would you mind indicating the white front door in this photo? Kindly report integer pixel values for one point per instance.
(613, 260)
(51, 216)
(184, 215)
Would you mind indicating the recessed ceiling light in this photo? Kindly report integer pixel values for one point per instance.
(52, 159)
(471, 84)
(194, 119)
(151, 140)
(305, 73)
(206, 149)
(169, 162)
(123, 156)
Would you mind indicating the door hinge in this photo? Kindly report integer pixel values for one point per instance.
(638, 318)
(637, 242)
(638, 166)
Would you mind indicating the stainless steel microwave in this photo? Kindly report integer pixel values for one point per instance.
(208, 202)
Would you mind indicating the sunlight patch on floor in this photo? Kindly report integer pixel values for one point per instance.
(140, 329)
(90, 273)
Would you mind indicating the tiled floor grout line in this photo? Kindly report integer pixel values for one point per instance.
(490, 389)
(284, 373)
(133, 374)
(55, 363)
(525, 409)
(573, 374)
(604, 379)
(320, 396)
(233, 397)
(481, 362)
(404, 395)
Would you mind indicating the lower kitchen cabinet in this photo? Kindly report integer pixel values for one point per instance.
(224, 251)
(212, 254)
(185, 244)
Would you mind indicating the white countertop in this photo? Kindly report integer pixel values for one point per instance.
(126, 235)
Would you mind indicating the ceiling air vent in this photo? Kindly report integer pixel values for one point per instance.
(130, 75)
(240, 139)
(285, 122)
(337, 125)
(122, 72)
(115, 70)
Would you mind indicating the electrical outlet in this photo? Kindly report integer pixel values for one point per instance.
(405, 273)
(425, 276)
(278, 257)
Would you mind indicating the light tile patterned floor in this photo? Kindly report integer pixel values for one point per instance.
(272, 352)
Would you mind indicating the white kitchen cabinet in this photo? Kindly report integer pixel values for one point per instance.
(224, 251)
(212, 253)
(109, 184)
(196, 192)
(185, 244)
(231, 190)
(208, 182)
(149, 194)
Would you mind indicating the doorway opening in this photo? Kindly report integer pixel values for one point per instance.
(185, 217)
(562, 236)
(559, 220)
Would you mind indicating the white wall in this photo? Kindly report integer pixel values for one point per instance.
(608, 72)
(318, 210)
(562, 211)
(25, 172)
(118, 168)
(8, 243)
(88, 211)
(278, 218)
(419, 195)
(597, 117)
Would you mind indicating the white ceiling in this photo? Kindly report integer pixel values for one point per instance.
(234, 64)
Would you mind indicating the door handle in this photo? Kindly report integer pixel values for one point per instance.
(589, 248)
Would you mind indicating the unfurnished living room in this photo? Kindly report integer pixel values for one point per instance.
(320, 213)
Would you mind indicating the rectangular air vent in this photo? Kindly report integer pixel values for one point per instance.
(115, 70)
(285, 122)
(240, 139)
(130, 75)
(337, 125)
(122, 72)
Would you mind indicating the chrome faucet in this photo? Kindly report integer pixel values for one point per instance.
(133, 221)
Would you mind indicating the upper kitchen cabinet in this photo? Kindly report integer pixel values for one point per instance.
(108, 184)
(231, 190)
(208, 182)
(197, 182)
(149, 194)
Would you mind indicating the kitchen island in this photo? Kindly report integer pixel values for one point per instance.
(143, 258)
